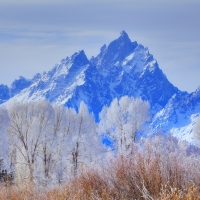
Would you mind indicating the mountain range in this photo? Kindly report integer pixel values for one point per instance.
(121, 68)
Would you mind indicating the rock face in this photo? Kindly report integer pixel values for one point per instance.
(121, 68)
(4, 93)
(19, 84)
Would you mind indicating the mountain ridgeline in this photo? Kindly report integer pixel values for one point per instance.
(121, 68)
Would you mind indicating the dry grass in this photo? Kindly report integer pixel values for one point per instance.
(161, 168)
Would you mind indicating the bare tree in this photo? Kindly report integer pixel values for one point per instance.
(4, 137)
(48, 140)
(82, 140)
(54, 146)
(29, 127)
(45, 128)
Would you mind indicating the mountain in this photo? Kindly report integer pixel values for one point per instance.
(16, 87)
(4, 93)
(179, 115)
(121, 68)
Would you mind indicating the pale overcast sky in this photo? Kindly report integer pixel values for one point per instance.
(37, 34)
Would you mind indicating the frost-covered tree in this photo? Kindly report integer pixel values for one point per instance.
(45, 130)
(51, 143)
(82, 142)
(21, 115)
(30, 130)
(122, 120)
(4, 137)
(62, 127)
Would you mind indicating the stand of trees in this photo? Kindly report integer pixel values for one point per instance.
(49, 144)
(122, 121)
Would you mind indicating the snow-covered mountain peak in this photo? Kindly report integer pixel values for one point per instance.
(117, 50)
(79, 58)
(121, 68)
(124, 38)
(19, 84)
(70, 64)
(123, 33)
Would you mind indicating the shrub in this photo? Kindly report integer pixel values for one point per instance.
(161, 168)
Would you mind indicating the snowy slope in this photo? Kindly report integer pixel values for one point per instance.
(58, 84)
(179, 115)
(121, 68)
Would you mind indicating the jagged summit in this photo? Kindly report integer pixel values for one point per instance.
(115, 51)
(79, 58)
(19, 84)
(4, 93)
(123, 34)
(124, 37)
(121, 68)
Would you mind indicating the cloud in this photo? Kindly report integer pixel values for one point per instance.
(45, 31)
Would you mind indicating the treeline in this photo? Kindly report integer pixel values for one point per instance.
(160, 167)
(46, 145)
(50, 144)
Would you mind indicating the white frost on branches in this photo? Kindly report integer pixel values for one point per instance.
(48, 144)
(122, 121)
